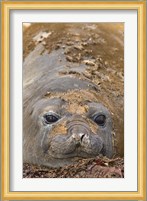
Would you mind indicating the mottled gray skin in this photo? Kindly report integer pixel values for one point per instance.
(41, 146)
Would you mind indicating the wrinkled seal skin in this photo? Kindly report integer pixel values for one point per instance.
(75, 100)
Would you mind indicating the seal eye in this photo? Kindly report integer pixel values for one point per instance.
(100, 119)
(50, 118)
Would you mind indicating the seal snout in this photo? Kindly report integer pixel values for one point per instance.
(79, 131)
(80, 137)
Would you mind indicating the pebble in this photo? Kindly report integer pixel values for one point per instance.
(78, 58)
(87, 74)
(88, 62)
(115, 49)
(69, 43)
(67, 51)
(120, 75)
(79, 47)
(87, 51)
(84, 43)
(106, 63)
(100, 59)
(57, 47)
(39, 37)
(60, 42)
(69, 58)
(43, 42)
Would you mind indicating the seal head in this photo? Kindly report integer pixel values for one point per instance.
(68, 123)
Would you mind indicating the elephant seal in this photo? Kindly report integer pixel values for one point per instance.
(65, 115)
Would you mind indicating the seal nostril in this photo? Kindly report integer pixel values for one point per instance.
(78, 137)
(82, 136)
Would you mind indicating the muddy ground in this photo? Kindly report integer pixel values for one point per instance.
(84, 168)
(101, 47)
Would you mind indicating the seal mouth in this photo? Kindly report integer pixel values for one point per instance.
(72, 155)
(70, 147)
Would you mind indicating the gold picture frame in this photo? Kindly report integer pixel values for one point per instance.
(140, 6)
